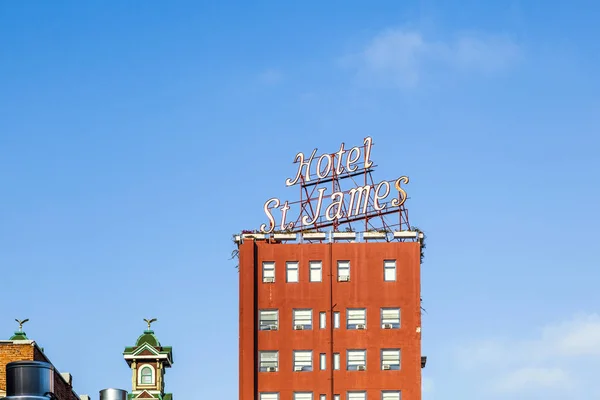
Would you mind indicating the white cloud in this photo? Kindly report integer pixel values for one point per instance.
(271, 76)
(403, 57)
(555, 360)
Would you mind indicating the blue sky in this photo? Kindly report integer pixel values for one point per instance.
(136, 138)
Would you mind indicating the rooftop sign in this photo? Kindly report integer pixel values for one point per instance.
(320, 208)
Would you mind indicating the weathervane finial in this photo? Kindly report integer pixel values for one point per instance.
(150, 321)
(21, 322)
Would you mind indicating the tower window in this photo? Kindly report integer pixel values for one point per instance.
(146, 375)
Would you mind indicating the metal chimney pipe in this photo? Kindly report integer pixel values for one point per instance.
(29, 380)
(113, 394)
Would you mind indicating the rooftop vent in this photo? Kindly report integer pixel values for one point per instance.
(29, 380)
(113, 394)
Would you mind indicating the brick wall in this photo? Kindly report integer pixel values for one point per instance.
(62, 389)
(9, 352)
(14, 351)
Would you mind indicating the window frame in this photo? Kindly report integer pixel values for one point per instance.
(350, 392)
(386, 268)
(260, 319)
(352, 325)
(295, 321)
(262, 368)
(151, 375)
(355, 367)
(311, 269)
(289, 267)
(305, 368)
(395, 325)
(265, 278)
(393, 367)
(260, 395)
(302, 393)
(384, 392)
(339, 275)
(336, 320)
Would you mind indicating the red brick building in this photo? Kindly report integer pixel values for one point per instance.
(20, 348)
(329, 321)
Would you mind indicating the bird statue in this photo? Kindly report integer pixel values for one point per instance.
(21, 322)
(150, 321)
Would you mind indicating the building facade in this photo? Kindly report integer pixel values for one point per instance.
(329, 321)
(20, 348)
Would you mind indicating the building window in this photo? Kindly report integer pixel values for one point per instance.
(336, 397)
(322, 397)
(302, 319)
(268, 271)
(336, 361)
(269, 396)
(147, 375)
(303, 395)
(268, 320)
(336, 319)
(291, 271)
(356, 318)
(391, 395)
(322, 320)
(390, 359)
(303, 360)
(389, 270)
(356, 396)
(322, 361)
(316, 271)
(269, 361)
(343, 271)
(356, 360)
(390, 318)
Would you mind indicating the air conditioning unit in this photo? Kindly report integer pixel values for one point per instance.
(360, 326)
(269, 280)
(386, 367)
(298, 368)
(273, 327)
(361, 368)
(298, 327)
(344, 278)
(271, 369)
(387, 326)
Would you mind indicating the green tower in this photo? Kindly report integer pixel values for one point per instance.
(148, 361)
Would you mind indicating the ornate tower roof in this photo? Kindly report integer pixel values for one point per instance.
(148, 361)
